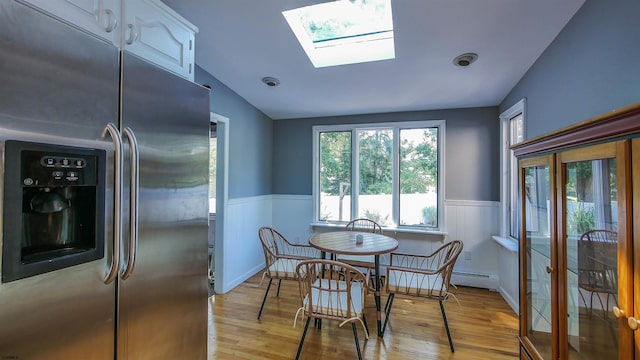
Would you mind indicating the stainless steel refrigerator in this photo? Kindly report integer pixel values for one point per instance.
(104, 188)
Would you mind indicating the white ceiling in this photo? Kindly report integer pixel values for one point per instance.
(242, 41)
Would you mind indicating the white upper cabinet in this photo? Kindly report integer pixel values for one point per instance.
(154, 32)
(99, 17)
(147, 28)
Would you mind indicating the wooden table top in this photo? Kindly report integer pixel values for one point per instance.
(344, 242)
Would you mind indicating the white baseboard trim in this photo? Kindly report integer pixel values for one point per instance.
(230, 285)
(513, 303)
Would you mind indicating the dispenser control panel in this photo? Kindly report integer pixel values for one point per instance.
(57, 169)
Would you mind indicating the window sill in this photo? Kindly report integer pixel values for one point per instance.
(394, 230)
(508, 243)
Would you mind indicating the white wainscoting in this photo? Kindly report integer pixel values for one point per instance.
(472, 222)
(243, 256)
(509, 271)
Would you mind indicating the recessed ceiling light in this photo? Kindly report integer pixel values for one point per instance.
(465, 60)
(270, 81)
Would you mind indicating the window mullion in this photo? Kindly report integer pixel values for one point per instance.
(395, 182)
(355, 173)
(316, 174)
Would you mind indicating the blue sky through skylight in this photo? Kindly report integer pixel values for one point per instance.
(344, 31)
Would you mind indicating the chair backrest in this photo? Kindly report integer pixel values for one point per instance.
(424, 276)
(279, 255)
(364, 225)
(331, 289)
(275, 246)
(444, 259)
(272, 241)
(597, 260)
(441, 259)
(601, 236)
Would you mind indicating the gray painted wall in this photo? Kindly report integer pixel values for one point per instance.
(250, 139)
(472, 154)
(592, 67)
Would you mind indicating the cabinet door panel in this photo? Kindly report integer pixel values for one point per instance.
(591, 190)
(154, 32)
(538, 258)
(98, 17)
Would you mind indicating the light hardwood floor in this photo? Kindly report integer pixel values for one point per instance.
(482, 327)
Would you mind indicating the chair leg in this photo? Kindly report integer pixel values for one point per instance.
(387, 311)
(583, 299)
(446, 325)
(304, 333)
(265, 298)
(364, 321)
(601, 303)
(279, 283)
(355, 336)
(389, 301)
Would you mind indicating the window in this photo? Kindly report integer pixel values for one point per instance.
(389, 173)
(344, 32)
(512, 133)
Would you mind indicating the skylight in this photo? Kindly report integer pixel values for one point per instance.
(344, 31)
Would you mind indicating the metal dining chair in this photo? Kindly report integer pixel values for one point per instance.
(332, 290)
(281, 258)
(427, 277)
(362, 261)
(598, 267)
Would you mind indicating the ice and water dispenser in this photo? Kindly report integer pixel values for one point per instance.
(53, 208)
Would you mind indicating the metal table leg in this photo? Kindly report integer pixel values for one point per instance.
(377, 295)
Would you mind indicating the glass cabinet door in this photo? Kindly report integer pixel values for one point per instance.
(591, 187)
(537, 259)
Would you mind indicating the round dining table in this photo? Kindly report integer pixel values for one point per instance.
(357, 243)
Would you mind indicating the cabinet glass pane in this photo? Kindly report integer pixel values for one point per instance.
(538, 242)
(591, 241)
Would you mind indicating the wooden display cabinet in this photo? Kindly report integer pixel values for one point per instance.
(579, 196)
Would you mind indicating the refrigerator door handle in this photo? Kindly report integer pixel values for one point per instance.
(112, 131)
(133, 212)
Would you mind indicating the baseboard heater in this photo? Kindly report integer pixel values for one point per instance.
(486, 281)
(475, 275)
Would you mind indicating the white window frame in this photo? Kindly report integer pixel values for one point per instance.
(506, 156)
(396, 127)
(212, 214)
